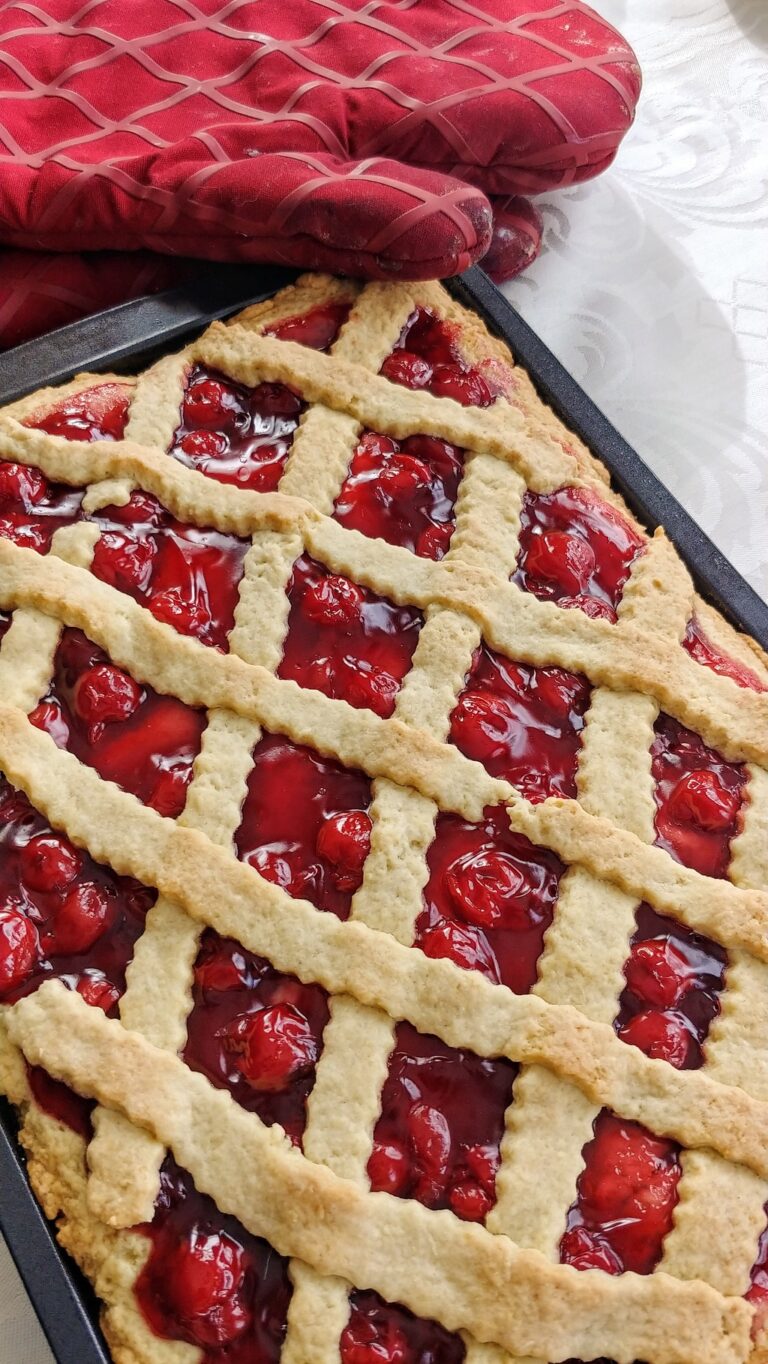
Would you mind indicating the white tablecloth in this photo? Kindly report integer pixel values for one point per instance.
(653, 290)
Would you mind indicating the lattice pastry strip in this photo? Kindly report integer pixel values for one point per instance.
(415, 774)
(358, 1041)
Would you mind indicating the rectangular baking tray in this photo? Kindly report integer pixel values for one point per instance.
(130, 336)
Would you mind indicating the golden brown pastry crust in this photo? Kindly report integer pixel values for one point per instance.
(573, 1060)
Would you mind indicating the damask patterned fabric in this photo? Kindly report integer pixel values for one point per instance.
(354, 137)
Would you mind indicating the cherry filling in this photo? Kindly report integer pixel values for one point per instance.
(5, 622)
(305, 823)
(403, 492)
(61, 914)
(704, 651)
(144, 742)
(380, 1332)
(699, 797)
(442, 1119)
(189, 578)
(208, 1281)
(522, 723)
(255, 1032)
(243, 435)
(32, 508)
(317, 329)
(427, 355)
(674, 977)
(97, 413)
(345, 641)
(235, 434)
(575, 550)
(489, 899)
(625, 1199)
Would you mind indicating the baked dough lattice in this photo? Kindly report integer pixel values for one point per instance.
(395, 817)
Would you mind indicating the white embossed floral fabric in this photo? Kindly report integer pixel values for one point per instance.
(652, 286)
(653, 290)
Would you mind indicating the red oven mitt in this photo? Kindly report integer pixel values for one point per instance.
(336, 134)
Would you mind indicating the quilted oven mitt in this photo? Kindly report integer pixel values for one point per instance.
(341, 135)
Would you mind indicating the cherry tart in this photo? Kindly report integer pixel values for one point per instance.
(383, 870)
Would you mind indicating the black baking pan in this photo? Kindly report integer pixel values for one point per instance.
(128, 337)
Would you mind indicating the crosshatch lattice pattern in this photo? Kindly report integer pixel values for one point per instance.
(620, 658)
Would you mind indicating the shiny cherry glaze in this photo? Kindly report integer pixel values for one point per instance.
(698, 798)
(98, 413)
(131, 735)
(522, 723)
(189, 578)
(5, 622)
(625, 1199)
(31, 506)
(403, 492)
(674, 977)
(428, 355)
(62, 915)
(441, 1122)
(489, 898)
(576, 550)
(705, 652)
(255, 1032)
(304, 824)
(243, 435)
(380, 1332)
(208, 1281)
(344, 640)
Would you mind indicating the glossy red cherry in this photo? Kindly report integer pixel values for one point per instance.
(465, 946)
(172, 608)
(434, 542)
(630, 1173)
(49, 863)
(344, 840)
(430, 1139)
(662, 1036)
(468, 388)
(402, 476)
(21, 483)
(105, 695)
(585, 1249)
(373, 448)
(285, 868)
(79, 920)
(368, 687)
(658, 973)
(204, 1289)
(124, 561)
(333, 601)
(274, 1047)
(560, 691)
(316, 329)
(365, 1341)
(225, 970)
(208, 402)
(19, 947)
(481, 723)
(483, 1162)
(204, 444)
(701, 798)
(591, 606)
(470, 1201)
(389, 1167)
(97, 991)
(564, 559)
(489, 889)
(402, 367)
